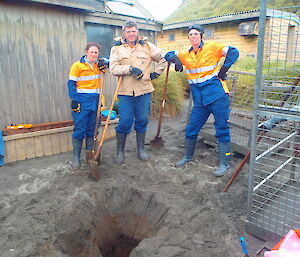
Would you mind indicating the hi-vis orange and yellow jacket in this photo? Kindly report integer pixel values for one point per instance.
(202, 70)
(84, 84)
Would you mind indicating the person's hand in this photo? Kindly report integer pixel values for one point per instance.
(222, 73)
(75, 106)
(178, 64)
(136, 72)
(154, 75)
(172, 57)
(102, 64)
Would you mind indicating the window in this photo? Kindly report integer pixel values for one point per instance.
(209, 33)
(172, 37)
(101, 34)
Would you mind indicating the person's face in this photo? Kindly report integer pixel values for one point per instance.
(194, 37)
(131, 34)
(92, 54)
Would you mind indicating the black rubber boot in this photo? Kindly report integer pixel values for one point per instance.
(121, 140)
(77, 145)
(224, 154)
(190, 145)
(140, 142)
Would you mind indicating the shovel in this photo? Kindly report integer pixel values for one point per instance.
(90, 154)
(95, 162)
(158, 142)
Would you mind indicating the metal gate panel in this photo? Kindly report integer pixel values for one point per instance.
(274, 177)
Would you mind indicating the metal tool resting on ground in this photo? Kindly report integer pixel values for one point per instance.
(158, 142)
(95, 170)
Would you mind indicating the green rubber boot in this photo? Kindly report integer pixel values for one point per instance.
(189, 145)
(224, 155)
(77, 145)
(140, 142)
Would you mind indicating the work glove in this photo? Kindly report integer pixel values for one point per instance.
(173, 58)
(103, 63)
(222, 73)
(75, 106)
(178, 64)
(154, 75)
(136, 72)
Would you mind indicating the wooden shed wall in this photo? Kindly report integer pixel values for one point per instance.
(282, 40)
(226, 34)
(38, 44)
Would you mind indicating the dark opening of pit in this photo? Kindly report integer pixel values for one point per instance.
(114, 226)
(120, 247)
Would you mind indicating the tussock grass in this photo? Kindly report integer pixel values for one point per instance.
(175, 94)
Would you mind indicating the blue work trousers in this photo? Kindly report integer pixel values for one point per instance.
(84, 123)
(200, 113)
(133, 107)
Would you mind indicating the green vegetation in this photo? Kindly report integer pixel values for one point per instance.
(246, 64)
(175, 94)
(279, 69)
(195, 9)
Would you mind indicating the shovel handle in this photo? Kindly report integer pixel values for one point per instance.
(98, 117)
(163, 101)
(107, 121)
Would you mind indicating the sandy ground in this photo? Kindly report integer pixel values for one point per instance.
(37, 198)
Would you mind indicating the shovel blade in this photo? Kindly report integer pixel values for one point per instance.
(157, 143)
(95, 171)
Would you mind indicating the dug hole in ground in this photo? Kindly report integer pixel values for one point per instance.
(138, 209)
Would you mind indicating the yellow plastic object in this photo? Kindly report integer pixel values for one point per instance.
(19, 126)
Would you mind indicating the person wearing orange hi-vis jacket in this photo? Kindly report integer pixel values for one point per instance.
(84, 89)
(210, 94)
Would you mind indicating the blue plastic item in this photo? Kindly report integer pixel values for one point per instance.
(112, 116)
(1, 149)
(244, 246)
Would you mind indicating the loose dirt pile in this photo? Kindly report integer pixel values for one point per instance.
(147, 208)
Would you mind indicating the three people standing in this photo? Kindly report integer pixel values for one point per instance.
(130, 60)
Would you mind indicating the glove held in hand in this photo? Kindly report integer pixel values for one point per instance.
(75, 106)
(154, 75)
(136, 72)
(178, 64)
(222, 73)
(101, 65)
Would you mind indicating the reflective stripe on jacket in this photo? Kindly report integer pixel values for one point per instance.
(202, 69)
(84, 84)
(123, 56)
(85, 77)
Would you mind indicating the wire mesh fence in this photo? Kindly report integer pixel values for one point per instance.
(265, 120)
(241, 86)
(274, 192)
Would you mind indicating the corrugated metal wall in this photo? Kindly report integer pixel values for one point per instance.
(38, 44)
